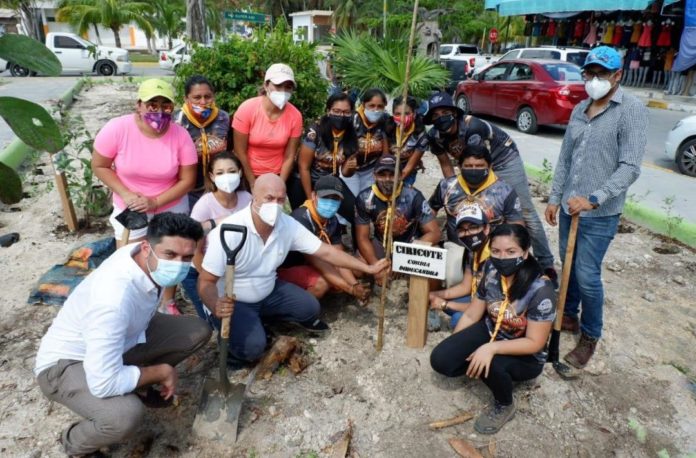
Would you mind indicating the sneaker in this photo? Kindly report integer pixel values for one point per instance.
(434, 322)
(316, 327)
(570, 324)
(553, 276)
(582, 353)
(494, 417)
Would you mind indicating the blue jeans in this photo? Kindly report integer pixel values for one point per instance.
(454, 315)
(585, 284)
(286, 302)
(190, 285)
(513, 174)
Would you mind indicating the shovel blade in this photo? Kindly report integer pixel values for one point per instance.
(218, 412)
(565, 371)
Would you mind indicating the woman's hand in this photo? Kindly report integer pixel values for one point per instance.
(143, 204)
(436, 301)
(480, 361)
(350, 165)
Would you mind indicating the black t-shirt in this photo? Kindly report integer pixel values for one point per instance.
(475, 131)
(332, 229)
(323, 163)
(416, 142)
(411, 211)
(370, 141)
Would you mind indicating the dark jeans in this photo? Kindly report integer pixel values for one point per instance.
(286, 302)
(449, 358)
(190, 285)
(585, 284)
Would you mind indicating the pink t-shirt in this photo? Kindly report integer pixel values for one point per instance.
(267, 139)
(208, 206)
(145, 165)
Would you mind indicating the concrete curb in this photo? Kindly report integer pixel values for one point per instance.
(654, 220)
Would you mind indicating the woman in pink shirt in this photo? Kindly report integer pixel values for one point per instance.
(267, 128)
(146, 160)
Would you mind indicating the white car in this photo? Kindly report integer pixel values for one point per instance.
(573, 55)
(681, 145)
(168, 60)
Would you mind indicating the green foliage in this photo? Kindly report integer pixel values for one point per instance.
(29, 53)
(75, 161)
(386, 61)
(673, 221)
(31, 123)
(237, 67)
(546, 172)
(10, 185)
(640, 431)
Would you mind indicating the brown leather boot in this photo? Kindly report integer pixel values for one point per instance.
(570, 324)
(582, 353)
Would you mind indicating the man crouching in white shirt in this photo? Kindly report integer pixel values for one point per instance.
(260, 295)
(107, 340)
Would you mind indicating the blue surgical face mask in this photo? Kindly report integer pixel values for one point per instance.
(327, 208)
(373, 115)
(168, 273)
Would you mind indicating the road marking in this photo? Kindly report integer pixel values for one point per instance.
(658, 167)
(652, 103)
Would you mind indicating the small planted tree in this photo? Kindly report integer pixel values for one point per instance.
(237, 67)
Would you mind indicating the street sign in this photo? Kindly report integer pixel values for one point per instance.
(243, 16)
(421, 260)
(493, 35)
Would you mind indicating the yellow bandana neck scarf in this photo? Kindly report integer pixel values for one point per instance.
(368, 135)
(400, 140)
(479, 258)
(502, 309)
(323, 235)
(390, 209)
(492, 178)
(337, 137)
(193, 119)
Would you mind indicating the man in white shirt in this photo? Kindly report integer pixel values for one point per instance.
(108, 341)
(259, 294)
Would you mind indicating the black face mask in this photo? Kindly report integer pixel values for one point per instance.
(474, 242)
(385, 186)
(507, 267)
(475, 176)
(444, 123)
(339, 122)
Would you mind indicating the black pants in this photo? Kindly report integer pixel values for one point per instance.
(449, 358)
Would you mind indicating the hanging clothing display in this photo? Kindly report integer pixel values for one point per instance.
(579, 29)
(665, 37)
(626, 35)
(645, 40)
(591, 37)
(669, 59)
(608, 37)
(635, 35)
(618, 35)
(551, 29)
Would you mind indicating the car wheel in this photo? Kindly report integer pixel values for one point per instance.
(686, 158)
(463, 103)
(527, 121)
(106, 69)
(18, 70)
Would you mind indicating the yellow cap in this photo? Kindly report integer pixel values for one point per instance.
(149, 89)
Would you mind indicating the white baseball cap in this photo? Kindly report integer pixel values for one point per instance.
(280, 73)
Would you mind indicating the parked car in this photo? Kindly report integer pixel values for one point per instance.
(469, 53)
(78, 55)
(169, 59)
(681, 145)
(530, 92)
(458, 70)
(574, 55)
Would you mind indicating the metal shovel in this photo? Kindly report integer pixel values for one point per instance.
(221, 401)
(563, 369)
(131, 221)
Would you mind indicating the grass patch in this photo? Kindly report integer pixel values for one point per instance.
(140, 57)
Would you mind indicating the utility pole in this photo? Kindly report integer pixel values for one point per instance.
(195, 21)
(384, 19)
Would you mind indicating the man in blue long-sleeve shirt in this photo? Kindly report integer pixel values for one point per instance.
(600, 158)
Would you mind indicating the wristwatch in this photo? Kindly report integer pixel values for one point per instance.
(594, 201)
(443, 306)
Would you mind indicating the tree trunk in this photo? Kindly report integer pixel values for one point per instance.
(170, 42)
(29, 21)
(117, 37)
(195, 20)
(96, 32)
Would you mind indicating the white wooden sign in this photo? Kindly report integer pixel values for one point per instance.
(421, 260)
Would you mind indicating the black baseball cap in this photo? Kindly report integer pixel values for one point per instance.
(440, 100)
(386, 162)
(329, 185)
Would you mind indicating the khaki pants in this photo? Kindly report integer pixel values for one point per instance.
(170, 340)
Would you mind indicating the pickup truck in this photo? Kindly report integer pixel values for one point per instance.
(78, 55)
(469, 53)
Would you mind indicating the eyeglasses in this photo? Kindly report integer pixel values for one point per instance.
(601, 74)
(165, 107)
(340, 113)
(471, 230)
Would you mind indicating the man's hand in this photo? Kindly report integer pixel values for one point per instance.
(578, 204)
(224, 307)
(480, 361)
(360, 291)
(379, 267)
(169, 382)
(551, 213)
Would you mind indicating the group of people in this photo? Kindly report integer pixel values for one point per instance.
(108, 345)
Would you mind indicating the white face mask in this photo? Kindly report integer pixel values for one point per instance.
(373, 115)
(227, 182)
(279, 98)
(268, 212)
(597, 88)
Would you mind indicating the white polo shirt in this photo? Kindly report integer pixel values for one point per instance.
(104, 317)
(256, 262)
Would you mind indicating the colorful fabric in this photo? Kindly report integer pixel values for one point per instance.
(327, 158)
(371, 140)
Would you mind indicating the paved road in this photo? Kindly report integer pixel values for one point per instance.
(659, 177)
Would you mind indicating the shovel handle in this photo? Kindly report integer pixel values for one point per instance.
(229, 292)
(567, 266)
(125, 236)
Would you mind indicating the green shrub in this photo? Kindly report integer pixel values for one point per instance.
(236, 68)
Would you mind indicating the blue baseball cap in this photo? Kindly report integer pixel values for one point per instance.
(605, 56)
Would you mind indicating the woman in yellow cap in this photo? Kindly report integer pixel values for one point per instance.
(148, 162)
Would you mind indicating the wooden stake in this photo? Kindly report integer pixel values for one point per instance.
(66, 202)
(418, 302)
(397, 180)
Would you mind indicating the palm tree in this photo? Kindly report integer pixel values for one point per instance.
(112, 14)
(345, 13)
(168, 19)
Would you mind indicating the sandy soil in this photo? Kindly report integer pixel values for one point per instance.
(636, 398)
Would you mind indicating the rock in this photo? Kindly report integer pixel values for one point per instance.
(648, 296)
(679, 280)
(614, 267)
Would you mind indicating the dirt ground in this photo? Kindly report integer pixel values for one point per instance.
(636, 399)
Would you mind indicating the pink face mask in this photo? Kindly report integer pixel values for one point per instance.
(158, 121)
